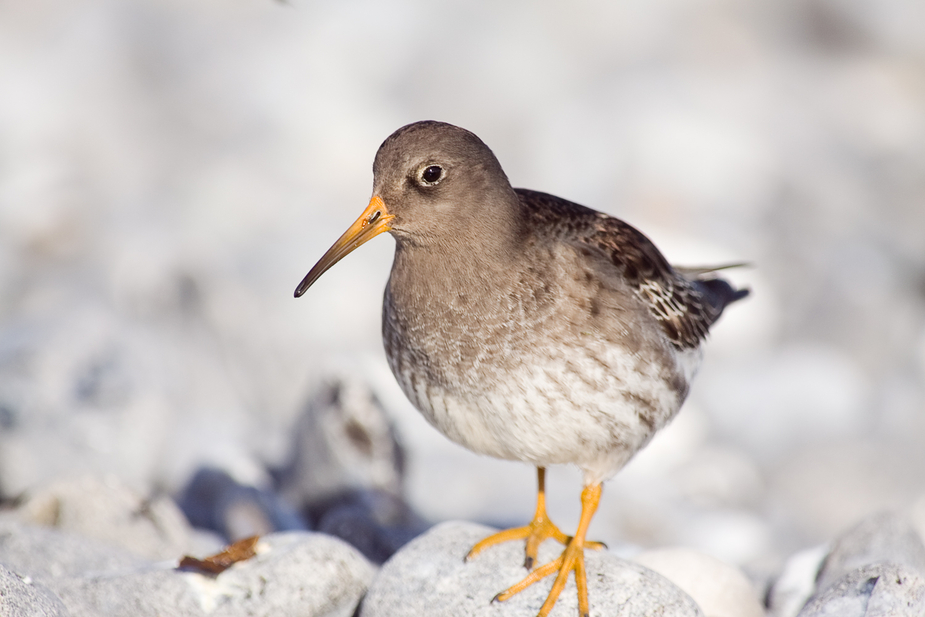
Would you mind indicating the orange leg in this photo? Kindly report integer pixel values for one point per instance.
(539, 529)
(572, 558)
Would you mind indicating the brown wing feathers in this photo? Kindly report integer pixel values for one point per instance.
(685, 307)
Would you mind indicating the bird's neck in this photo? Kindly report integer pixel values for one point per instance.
(481, 242)
(457, 266)
(467, 271)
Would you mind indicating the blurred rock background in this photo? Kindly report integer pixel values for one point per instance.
(170, 170)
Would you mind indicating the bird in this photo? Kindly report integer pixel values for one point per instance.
(527, 327)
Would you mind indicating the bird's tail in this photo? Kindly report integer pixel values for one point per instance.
(716, 292)
(696, 272)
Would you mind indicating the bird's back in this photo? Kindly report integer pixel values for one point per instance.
(685, 303)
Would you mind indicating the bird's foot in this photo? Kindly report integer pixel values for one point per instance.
(538, 531)
(572, 558)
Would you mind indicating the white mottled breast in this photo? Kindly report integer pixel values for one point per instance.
(550, 372)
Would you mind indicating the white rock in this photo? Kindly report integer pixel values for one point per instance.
(875, 590)
(143, 592)
(45, 553)
(796, 583)
(720, 589)
(22, 597)
(884, 537)
(106, 510)
(294, 573)
(298, 573)
(429, 577)
(343, 441)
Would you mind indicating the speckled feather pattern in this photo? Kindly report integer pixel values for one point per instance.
(522, 325)
(576, 351)
(683, 307)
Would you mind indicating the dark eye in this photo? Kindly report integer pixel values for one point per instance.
(432, 174)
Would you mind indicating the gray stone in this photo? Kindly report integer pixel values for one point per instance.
(874, 590)
(721, 590)
(216, 501)
(796, 583)
(85, 389)
(429, 577)
(884, 537)
(143, 592)
(44, 553)
(375, 522)
(344, 441)
(22, 597)
(346, 471)
(107, 510)
(294, 573)
(836, 585)
(917, 516)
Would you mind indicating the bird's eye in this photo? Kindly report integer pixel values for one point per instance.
(432, 174)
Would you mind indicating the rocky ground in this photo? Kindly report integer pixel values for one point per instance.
(170, 170)
(338, 537)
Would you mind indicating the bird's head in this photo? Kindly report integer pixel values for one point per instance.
(433, 183)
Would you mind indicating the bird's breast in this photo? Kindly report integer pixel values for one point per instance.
(528, 368)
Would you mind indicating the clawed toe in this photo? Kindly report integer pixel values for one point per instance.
(572, 558)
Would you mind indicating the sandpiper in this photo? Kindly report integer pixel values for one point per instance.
(525, 326)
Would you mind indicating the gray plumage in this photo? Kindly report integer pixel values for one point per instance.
(525, 326)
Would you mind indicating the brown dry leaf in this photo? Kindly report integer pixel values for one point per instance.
(242, 550)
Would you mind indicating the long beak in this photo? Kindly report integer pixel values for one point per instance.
(374, 220)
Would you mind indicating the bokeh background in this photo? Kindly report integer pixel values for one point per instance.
(169, 170)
